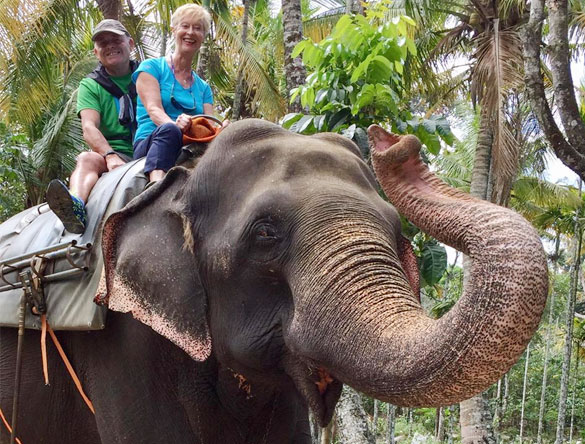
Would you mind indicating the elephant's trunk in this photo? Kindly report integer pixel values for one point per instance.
(384, 344)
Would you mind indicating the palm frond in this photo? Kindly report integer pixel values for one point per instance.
(320, 26)
(496, 75)
(545, 194)
(265, 93)
(53, 155)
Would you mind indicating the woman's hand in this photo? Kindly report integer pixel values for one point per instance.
(183, 122)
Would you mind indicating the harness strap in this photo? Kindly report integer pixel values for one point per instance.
(8, 426)
(76, 380)
(44, 348)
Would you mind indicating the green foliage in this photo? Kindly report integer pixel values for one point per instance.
(356, 79)
(12, 189)
(432, 259)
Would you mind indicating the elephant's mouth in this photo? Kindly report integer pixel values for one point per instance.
(318, 387)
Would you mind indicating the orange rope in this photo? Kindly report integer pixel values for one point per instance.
(44, 347)
(8, 426)
(70, 369)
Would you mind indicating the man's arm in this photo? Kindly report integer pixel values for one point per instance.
(90, 122)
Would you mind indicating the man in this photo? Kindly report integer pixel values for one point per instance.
(106, 101)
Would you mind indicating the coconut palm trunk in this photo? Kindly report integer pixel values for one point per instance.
(111, 9)
(294, 69)
(475, 417)
(239, 91)
(575, 380)
(498, 408)
(439, 425)
(390, 422)
(524, 386)
(570, 314)
(375, 418)
(545, 370)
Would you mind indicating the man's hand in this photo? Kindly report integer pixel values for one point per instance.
(183, 122)
(113, 161)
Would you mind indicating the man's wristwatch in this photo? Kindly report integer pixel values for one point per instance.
(108, 153)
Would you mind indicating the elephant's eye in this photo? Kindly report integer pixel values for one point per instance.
(265, 233)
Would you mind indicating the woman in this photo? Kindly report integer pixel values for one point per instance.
(169, 93)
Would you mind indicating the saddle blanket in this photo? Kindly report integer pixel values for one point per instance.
(69, 299)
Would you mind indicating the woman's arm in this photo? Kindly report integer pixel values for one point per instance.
(148, 89)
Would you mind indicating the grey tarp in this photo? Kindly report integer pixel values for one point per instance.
(70, 303)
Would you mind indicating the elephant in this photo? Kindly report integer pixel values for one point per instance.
(245, 292)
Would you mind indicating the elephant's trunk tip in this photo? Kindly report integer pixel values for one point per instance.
(393, 148)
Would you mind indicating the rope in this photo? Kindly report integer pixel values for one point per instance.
(8, 426)
(44, 347)
(70, 369)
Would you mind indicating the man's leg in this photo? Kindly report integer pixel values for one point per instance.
(69, 206)
(90, 166)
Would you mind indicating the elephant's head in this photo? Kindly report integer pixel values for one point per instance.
(278, 254)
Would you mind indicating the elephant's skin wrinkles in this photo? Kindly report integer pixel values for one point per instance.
(278, 271)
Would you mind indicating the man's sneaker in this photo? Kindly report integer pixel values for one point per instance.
(68, 208)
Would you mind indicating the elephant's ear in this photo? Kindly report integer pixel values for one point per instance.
(151, 270)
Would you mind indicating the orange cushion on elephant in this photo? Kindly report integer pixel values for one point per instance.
(201, 130)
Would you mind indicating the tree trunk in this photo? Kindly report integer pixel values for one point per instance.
(506, 392)
(353, 7)
(545, 369)
(111, 9)
(293, 33)
(572, 155)
(375, 419)
(390, 424)
(439, 425)
(203, 59)
(560, 66)
(498, 410)
(476, 421)
(239, 91)
(326, 434)
(524, 385)
(474, 416)
(569, 335)
(452, 410)
(315, 429)
(352, 424)
(480, 176)
(575, 380)
(203, 56)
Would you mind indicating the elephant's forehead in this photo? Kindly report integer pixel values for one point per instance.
(288, 156)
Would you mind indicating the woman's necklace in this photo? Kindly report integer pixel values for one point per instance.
(187, 83)
(174, 101)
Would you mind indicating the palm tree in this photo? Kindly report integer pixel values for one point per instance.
(236, 112)
(293, 34)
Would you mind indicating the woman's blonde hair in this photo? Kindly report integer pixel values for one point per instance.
(193, 11)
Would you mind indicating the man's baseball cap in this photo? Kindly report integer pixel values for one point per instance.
(109, 25)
